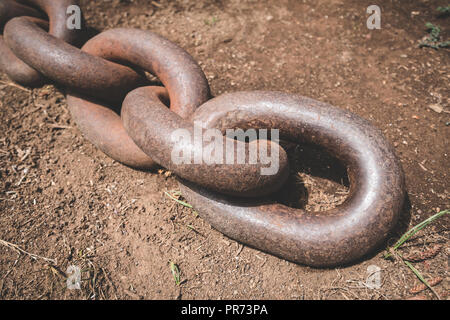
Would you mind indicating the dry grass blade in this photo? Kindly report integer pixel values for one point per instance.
(391, 252)
(421, 278)
(20, 250)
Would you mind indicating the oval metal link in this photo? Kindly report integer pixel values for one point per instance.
(57, 14)
(13, 66)
(186, 87)
(322, 239)
(68, 65)
(175, 68)
(10, 9)
(16, 69)
(151, 125)
(103, 127)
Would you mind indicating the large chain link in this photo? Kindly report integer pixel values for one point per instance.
(106, 78)
(14, 67)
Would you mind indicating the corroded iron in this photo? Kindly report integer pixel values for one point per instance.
(151, 125)
(56, 10)
(111, 66)
(187, 89)
(186, 85)
(103, 127)
(176, 69)
(13, 66)
(322, 239)
(68, 65)
(10, 9)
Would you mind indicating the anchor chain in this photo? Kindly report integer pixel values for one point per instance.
(119, 110)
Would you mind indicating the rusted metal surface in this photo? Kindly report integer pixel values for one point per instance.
(56, 11)
(68, 65)
(322, 239)
(175, 68)
(111, 66)
(87, 72)
(103, 127)
(151, 125)
(10, 9)
(185, 83)
(14, 67)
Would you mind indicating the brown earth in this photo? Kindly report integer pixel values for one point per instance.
(63, 199)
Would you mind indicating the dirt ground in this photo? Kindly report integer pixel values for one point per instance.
(63, 199)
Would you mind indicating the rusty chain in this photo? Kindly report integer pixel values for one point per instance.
(106, 77)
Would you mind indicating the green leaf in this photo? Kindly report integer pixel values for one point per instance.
(177, 200)
(415, 229)
(175, 272)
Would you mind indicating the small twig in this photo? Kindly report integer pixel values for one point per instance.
(26, 113)
(156, 4)
(12, 84)
(423, 167)
(25, 172)
(20, 250)
(59, 126)
(190, 227)
(110, 282)
(239, 250)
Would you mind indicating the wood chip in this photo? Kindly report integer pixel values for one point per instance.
(436, 108)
